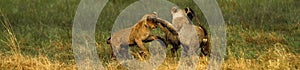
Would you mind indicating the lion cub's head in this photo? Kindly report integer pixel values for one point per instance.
(149, 20)
(187, 12)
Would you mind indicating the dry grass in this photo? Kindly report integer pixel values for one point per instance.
(276, 58)
(11, 40)
(22, 62)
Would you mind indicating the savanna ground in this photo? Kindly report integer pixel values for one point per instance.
(36, 34)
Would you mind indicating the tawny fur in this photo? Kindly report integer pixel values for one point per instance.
(139, 33)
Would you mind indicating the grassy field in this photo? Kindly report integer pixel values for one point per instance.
(37, 34)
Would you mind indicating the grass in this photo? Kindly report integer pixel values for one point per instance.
(36, 34)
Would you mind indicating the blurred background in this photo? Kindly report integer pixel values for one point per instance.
(37, 34)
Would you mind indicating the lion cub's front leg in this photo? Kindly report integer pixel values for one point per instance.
(150, 38)
(140, 44)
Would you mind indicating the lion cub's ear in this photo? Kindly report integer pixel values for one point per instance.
(174, 10)
(155, 13)
(189, 12)
(148, 18)
(187, 9)
(151, 19)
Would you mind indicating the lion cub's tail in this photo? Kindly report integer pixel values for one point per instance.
(108, 41)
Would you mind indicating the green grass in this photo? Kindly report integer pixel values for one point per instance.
(43, 27)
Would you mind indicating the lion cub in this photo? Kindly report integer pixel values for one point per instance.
(139, 33)
(181, 17)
